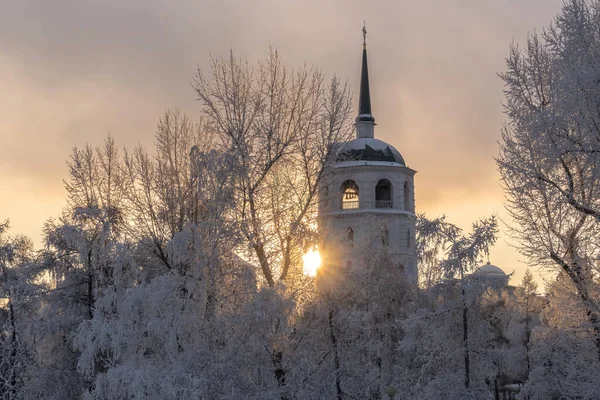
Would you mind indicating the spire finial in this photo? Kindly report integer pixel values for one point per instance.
(364, 31)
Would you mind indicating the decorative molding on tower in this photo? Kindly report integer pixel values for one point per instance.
(365, 212)
(366, 166)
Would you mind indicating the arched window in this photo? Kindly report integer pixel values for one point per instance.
(349, 238)
(385, 236)
(349, 195)
(407, 205)
(324, 197)
(383, 194)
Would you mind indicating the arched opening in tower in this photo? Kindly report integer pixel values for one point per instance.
(385, 236)
(407, 205)
(349, 238)
(383, 194)
(350, 199)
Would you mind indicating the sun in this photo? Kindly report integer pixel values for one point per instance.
(312, 262)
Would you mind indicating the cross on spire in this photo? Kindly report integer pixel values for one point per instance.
(364, 31)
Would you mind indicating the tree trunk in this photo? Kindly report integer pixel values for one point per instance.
(576, 272)
(287, 259)
(336, 360)
(527, 337)
(90, 287)
(13, 352)
(590, 311)
(466, 339)
(259, 247)
(496, 391)
(592, 316)
(279, 371)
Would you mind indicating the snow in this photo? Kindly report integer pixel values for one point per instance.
(346, 164)
(362, 144)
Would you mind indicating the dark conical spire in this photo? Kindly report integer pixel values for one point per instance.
(364, 102)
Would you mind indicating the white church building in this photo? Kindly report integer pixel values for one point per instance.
(366, 199)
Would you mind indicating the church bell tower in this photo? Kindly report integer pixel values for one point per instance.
(366, 199)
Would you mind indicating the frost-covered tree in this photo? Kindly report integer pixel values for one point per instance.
(372, 331)
(79, 256)
(178, 289)
(432, 351)
(16, 293)
(562, 357)
(96, 179)
(174, 335)
(530, 306)
(549, 159)
(160, 188)
(504, 345)
(433, 239)
(463, 256)
(279, 126)
(362, 320)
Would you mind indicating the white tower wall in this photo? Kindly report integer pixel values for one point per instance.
(369, 222)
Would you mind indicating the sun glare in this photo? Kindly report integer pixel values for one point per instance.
(312, 261)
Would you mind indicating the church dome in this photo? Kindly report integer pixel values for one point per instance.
(368, 149)
(490, 275)
(490, 270)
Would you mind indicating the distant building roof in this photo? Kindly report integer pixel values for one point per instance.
(490, 270)
(489, 274)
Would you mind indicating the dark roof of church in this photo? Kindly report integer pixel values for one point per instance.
(369, 149)
(364, 101)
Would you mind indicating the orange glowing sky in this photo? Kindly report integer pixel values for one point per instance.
(74, 71)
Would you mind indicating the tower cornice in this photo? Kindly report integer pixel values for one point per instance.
(366, 212)
(366, 166)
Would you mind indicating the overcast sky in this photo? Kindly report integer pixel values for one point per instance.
(72, 72)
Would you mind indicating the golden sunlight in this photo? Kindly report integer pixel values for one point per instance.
(312, 261)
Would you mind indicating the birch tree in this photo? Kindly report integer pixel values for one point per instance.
(549, 155)
(160, 192)
(279, 125)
